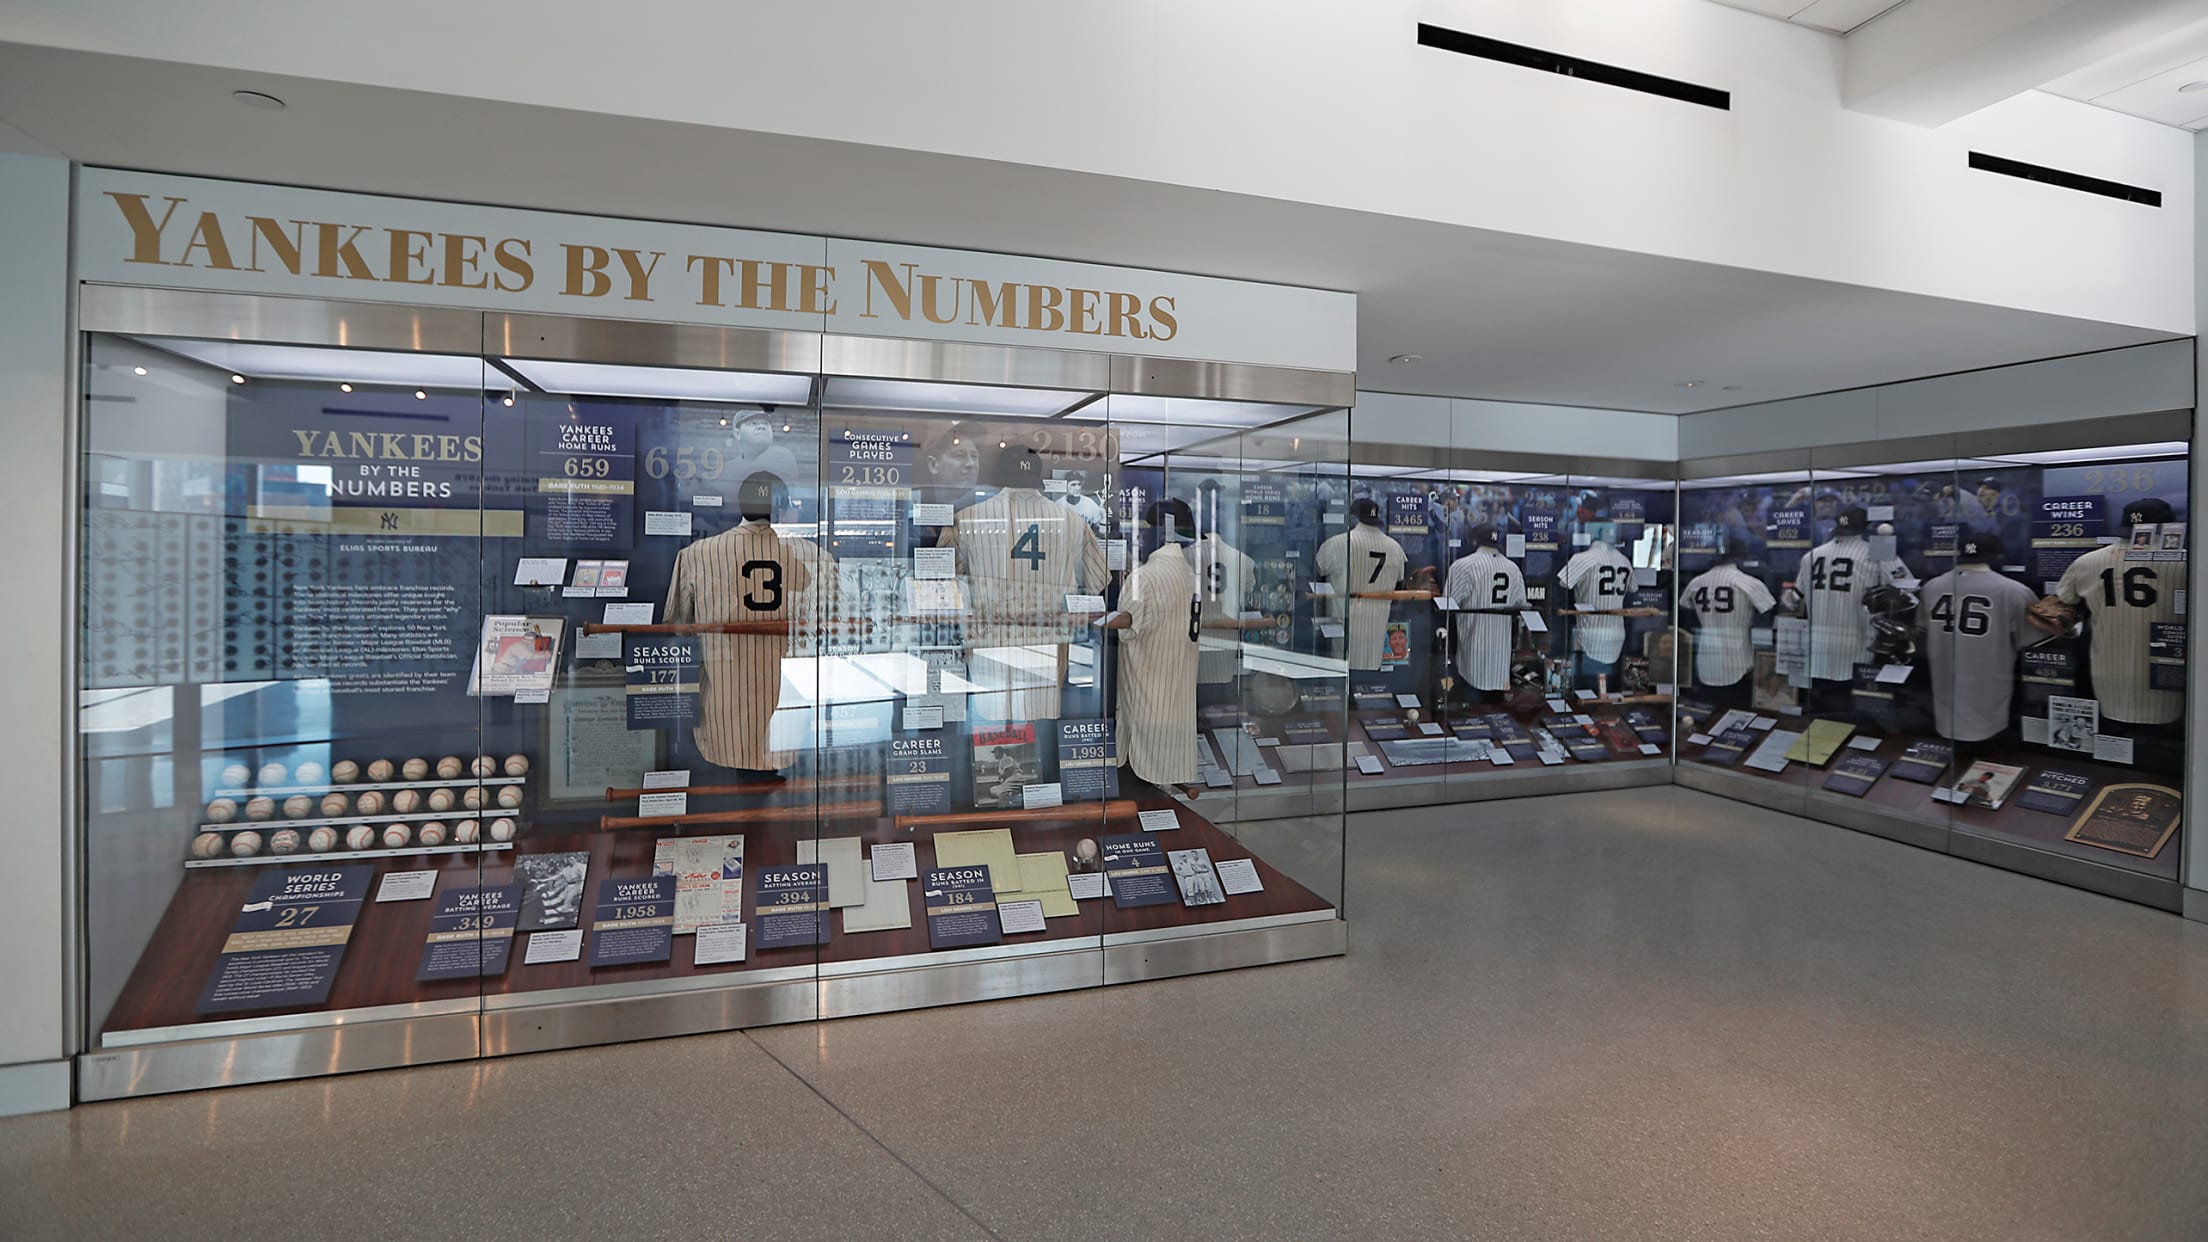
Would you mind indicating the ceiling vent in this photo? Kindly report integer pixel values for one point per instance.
(2067, 180)
(1571, 67)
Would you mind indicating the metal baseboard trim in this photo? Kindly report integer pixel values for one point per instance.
(1510, 783)
(2093, 877)
(961, 983)
(34, 1087)
(196, 1064)
(1756, 792)
(1227, 950)
(581, 1024)
(1876, 821)
(2196, 905)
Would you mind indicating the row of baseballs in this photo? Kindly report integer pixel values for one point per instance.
(359, 837)
(377, 771)
(368, 802)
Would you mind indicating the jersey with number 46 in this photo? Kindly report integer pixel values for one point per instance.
(1363, 558)
(1974, 622)
(1832, 580)
(2124, 599)
(1725, 600)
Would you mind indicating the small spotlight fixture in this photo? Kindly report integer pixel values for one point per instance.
(258, 99)
(236, 378)
(1690, 383)
(138, 370)
(344, 387)
(2190, 87)
(420, 395)
(507, 400)
(1407, 358)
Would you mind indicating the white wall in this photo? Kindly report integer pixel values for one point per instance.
(1312, 101)
(1514, 427)
(2195, 843)
(34, 201)
(2120, 381)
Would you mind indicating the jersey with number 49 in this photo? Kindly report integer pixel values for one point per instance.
(1486, 580)
(1974, 622)
(1022, 554)
(2124, 599)
(1363, 558)
(1833, 577)
(1599, 578)
(1725, 601)
(746, 573)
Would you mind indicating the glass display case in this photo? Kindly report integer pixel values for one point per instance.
(463, 684)
(1974, 643)
(1516, 625)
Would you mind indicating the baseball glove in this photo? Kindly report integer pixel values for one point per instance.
(2050, 615)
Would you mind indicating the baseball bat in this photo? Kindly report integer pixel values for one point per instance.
(755, 815)
(1080, 812)
(758, 787)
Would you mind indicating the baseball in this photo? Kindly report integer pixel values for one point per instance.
(502, 829)
(440, 799)
(466, 832)
(432, 833)
(484, 765)
(361, 837)
(246, 844)
(369, 803)
(406, 801)
(379, 771)
(221, 811)
(297, 806)
(449, 768)
(509, 796)
(1411, 714)
(234, 776)
(395, 836)
(1084, 854)
(260, 808)
(517, 765)
(207, 845)
(472, 798)
(322, 840)
(333, 805)
(414, 769)
(273, 774)
(344, 772)
(309, 773)
(284, 841)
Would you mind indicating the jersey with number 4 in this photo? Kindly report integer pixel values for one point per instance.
(1599, 578)
(1486, 581)
(1363, 558)
(2123, 601)
(1022, 554)
(1725, 601)
(1974, 622)
(746, 573)
(1832, 580)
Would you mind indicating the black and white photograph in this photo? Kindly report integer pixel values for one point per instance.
(551, 889)
(1199, 882)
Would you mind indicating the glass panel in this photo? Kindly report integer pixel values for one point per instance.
(281, 611)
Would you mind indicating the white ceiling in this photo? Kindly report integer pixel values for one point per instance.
(1837, 16)
(2144, 80)
(1494, 315)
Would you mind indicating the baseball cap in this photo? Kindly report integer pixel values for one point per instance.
(1851, 519)
(1364, 510)
(1174, 516)
(2148, 509)
(758, 495)
(746, 416)
(1978, 545)
(1481, 536)
(1019, 466)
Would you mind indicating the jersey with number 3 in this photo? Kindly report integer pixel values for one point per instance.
(1022, 554)
(1832, 580)
(1725, 600)
(746, 573)
(2124, 600)
(1363, 558)
(1599, 578)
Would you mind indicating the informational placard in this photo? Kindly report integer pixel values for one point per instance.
(584, 459)
(1406, 512)
(919, 776)
(2065, 528)
(1264, 504)
(1042, 795)
(869, 474)
(2051, 791)
(790, 906)
(288, 941)
(406, 886)
(1087, 886)
(1238, 876)
(665, 522)
(634, 921)
(1788, 528)
(663, 677)
(931, 564)
(1163, 820)
(894, 860)
(1088, 759)
(720, 944)
(962, 907)
(2166, 655)
(1136, 865)
(592, 746)
(472, 934)
(1021, 918)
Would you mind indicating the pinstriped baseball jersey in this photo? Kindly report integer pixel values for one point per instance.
(1725, 600)
(1599, 577)
(1362, 558)
(1485, 579)
(1157, 676)
(1974, 623)
(1225, 578)
(1022, 554)
(812, 608)
(1833, 577)
(746, 573)
(2123, 600)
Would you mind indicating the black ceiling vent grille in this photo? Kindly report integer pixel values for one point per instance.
(1572, 67)
(2067, 180)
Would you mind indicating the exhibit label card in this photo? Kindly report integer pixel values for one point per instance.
(1855, 774)
(540, 571)
(1022, 917)
(919, 776)
(1042, 796)
(634, 922)
(934, 563)
(1086, 885)
(667, 778)
(660, 523)
(791, 905)
(932, 515)
(1138, 870)
(895, 860)
(2055, 792)
(553, 946)
(406, 886)
(289, 938)
(1159, 821)
(1238, 876)
(919, 717)
(1923, 761)
(962, 908)
(1088, 759)
(472, 933)
(719, 944)
(658, 805)
(598, 646)
(662, 682)
(639, 613)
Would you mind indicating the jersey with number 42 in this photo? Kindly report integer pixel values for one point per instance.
(2124, 599)
(1832, 580)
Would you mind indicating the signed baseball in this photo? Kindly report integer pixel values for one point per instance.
(509, 796)
(466, 832)
(284, 841)
(517, 765)
(297, 806)
(440, 799)
(333, 805)
(308, 773)
(502, 829)
(344, 772)
(449, 768)
(260, 808)
(322, 840)
(415, 769)
(406, 801)
(360, 837)
(246, 844)
(273, 774)
(395, 836)
(207, 845)
(369, 803)
(380, 771)
(432, 833)
(234, 776)
(221, 811)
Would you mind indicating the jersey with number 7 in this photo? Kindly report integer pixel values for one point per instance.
(1362, 558)
(2124, 600)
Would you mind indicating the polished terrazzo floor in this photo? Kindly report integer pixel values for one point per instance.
(1643, 1014)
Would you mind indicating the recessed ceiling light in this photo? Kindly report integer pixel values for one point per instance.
(344, 387)
(420, 395)
(139, 370)
(1406, 358)
(1690, 383)
(236, 378)
(258, 99)
(2190, 87)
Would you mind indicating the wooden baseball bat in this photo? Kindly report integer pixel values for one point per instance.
(775, 627)
(1077, 812)
(755, 815)
(757, 787)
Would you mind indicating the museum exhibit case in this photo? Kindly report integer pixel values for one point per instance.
(1516, 622)
(1972, 642)
(463, 682)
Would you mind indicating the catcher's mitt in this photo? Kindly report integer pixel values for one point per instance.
(2050, 615)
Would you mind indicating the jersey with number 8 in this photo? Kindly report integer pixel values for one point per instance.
(2124, 600)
